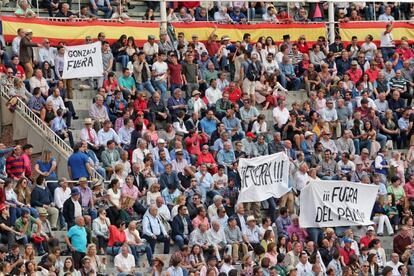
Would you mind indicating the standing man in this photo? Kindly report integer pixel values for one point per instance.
(26, 52)
(76, 241)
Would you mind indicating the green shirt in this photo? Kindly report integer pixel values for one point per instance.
(208, 76)
(397, 192)
(19, 225)
(128, 83)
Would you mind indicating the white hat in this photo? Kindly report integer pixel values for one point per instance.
(308, 133)
(161, 141)
(370, 228)
(250, 218)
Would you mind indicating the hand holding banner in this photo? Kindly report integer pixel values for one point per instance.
(83, 61)
(264, 177)
(336, 203)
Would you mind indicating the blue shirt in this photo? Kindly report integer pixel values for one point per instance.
(225, 157)
(3, 154)
(45, 167)
(208, 126)
(77, 236)
(77, 163)
(159, 167)
(58, 124)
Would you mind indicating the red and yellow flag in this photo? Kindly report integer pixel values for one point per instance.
(74, 33)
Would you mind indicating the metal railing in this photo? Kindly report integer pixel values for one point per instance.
(49, 134)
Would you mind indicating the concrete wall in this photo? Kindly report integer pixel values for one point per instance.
(24, 129)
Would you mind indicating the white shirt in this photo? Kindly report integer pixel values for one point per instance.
(78, 208)
(150, 49)
(47, 55)
(16, 45)
(387, 40)
(387, 18)
(139, 154)
(129, 235)
(57, 102)
(301, 179)
(84, 136)
(369, 49)
(124, 263)
(304, 269)
(160, 68)
(280, 116)
(125, 135)
(394, 267)
(213, 95)
(61, 196)
(104, 137)
(35, 82)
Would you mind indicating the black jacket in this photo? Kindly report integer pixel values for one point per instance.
(68, 211)
(178, 226)
(142, 183)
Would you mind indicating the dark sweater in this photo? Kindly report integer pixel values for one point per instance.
(40, 197)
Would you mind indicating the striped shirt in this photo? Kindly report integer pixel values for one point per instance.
(15, 166)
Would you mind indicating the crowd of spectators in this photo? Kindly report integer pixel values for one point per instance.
(167, 132)
(224, 12)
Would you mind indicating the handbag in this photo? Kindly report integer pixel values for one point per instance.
(37, 239)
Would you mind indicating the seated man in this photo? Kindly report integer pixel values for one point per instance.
(154, 230)
(127, 84)
(136, 244)
(125, 263)
(8, 234)
(110, 156)
(181, 227)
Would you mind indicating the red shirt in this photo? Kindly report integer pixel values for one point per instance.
(346, 253)
(140, 105)
(234, 96)
(356, 75)
(115, 235)
(19, 71)
(409, 190)
(193, 143)
(205, 158)
(365, 240)
(303, 48)
(191, 4)
(373, 74)
(212, 48)
(175, 73)
(405, 54)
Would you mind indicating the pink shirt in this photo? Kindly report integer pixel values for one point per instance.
(130, 192)
(198, 220)
(27, 165)
(409, 190)
(302, 234)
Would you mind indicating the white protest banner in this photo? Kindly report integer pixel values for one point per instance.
(263, 177)
(336, 203)
(83, 61)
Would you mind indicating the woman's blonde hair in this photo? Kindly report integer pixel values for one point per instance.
(155, 188)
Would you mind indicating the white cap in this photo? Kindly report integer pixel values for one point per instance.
(370, 228)
(161, 141)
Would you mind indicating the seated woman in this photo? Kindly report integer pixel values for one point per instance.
(48, 113)
(49, 74)
(117, 237)
(100, 230)
(23, 193)
(19, 90)
(46, 166)
(379, 216)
